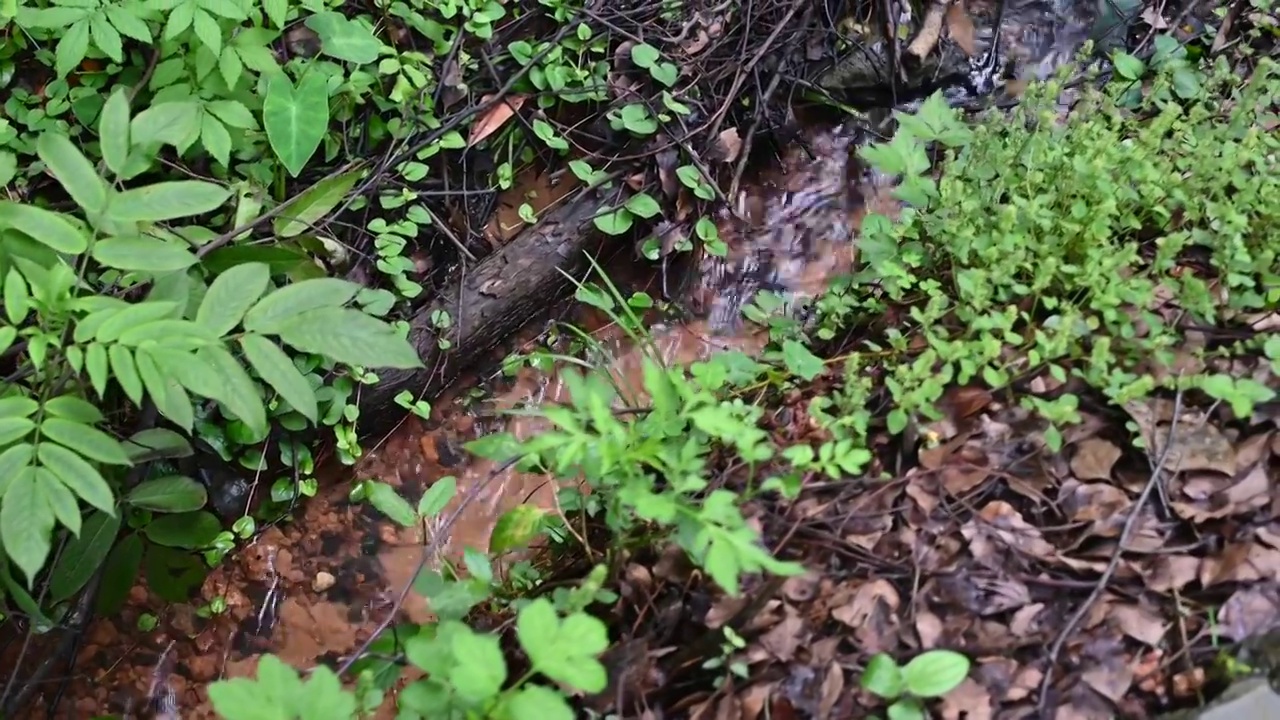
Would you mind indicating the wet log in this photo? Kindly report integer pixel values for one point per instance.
(488, 303)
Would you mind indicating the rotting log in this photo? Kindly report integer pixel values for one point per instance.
(488, 303)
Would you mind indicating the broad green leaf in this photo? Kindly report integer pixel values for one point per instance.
(240, 394)
(147, 254)
(106, 37)
(323, 697)
(72, 407)
(296, 119)
(26, 524)
(132, 316)
(516, 528)
(643, 205)
(883, 677)
(61, 500)
(118, 575)
(87, 440)
(73, 171)
(11, 461)
(79, 476)
(231, 295)
(170, 123)
(124, 20)
(216, 139)
(388, 502)
(72, 48)
(277, 11)
(126, 372)
(479, 669)
(935, 673)
(281, 306)
(189, 531)
(19, 596)
(171, 494)
(232, 113)
(15, 428)
(800, 361)
(207, 30)
(434, 500)
(535, 702)
(48, 228)
(275, 367)
(82, 555)
(17, 299)
(167, 201)
(174, 334)
(349, 336)
(170, 397)
(564, 651)
(245, 699)
(18, 406)
(156, 444)
(313, 205)
(344, 39)
(95, 365)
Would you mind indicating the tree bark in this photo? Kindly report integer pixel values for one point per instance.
(487, 304)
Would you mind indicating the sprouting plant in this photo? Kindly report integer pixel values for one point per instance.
(930, 674)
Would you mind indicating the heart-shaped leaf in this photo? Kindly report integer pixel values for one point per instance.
(296, 118)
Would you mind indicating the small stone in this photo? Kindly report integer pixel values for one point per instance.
(322, 581)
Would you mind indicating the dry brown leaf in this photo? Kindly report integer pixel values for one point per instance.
(928, 629)
(495, 117)
(967, 701)
(1103, 505)
(1026, 620)
(1172, 572)
(754, 699)
(1152, 17)
(832, 689)
(1111, 680)
(1250, 612)
(1140, 622)
(999, 521)
(728, 145)
(782, 639)
(1094, 458)
(871, 610)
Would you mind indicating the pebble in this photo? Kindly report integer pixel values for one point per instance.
(322, 581)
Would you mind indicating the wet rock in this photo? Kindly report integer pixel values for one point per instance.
(1249, 699)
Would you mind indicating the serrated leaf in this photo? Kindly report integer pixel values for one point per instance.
(73, 171)
(388, 502)
(171, 494)
(87, 440)
(47, 228)
(26, 524)
(170, 123)
(216, 139)
(231, 295)
(126, 372)
(349, 336)
(314, 204)
(170, 200)
(146, 254)
(189, 531)
(157, 444)
(282, 305)
(79, 476)
(275, 367)
(83, 555)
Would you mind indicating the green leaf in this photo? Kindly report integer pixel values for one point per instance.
(26, 524)
(349, 336)
(347, 40)
(132, 316)
(171, 123)
(12, 460)
(17, 298)
(536, 702)
(13, 429)
(95, 365)
(73, 171)
(434, 500)
(82, 555)
(188, 531)
(239, 394)
(170, 494)
(479, 668)
(129, 24)
(883, 677)
(644, 55)
(167, 201)
(47, 228)
(215, 138)
(72, 407)
(147, 254)
(281, 306)
(61, 500)
(643, 205)
(516, 528)
(296, 119)
(231, 295)
(18, 406)
(564, 651)
(388, 502)
(232, 113)
(72, 48)
(207, 31)
(79, 476)
(126, 372)
(315, 203)
(275, 367)
(615, 222)
(1128, 66)
(106, 37)
(277, 11)
(157, 444)
(86, 440)
(800, 361)
(935, 673)
(118, 575)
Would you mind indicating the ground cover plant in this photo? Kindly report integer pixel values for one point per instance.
(942, 489)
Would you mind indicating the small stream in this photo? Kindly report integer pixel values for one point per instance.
(313, 590)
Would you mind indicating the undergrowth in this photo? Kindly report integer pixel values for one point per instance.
(1070, 249)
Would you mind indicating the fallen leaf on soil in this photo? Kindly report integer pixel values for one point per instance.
(728, 145)
(782, 640)
(1172, 572)
(1140, 622)
(495, 117)
(1250, 612)
(832, 689)
(1094, 458)
(999, 521)
(968, 701)
(1105, 506)
(961, 29)
(1152, 17)
(872, 611)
